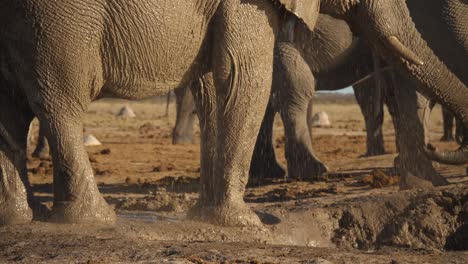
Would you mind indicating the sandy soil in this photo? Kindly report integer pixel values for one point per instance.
(357, 216)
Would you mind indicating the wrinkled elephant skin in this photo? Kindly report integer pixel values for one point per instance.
(56, 59)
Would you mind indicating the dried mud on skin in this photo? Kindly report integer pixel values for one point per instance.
(358, 216)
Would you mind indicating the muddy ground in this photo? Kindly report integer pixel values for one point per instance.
(357, 216)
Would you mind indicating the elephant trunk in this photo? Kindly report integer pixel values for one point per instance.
(387, 25)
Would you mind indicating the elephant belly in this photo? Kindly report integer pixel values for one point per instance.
(149, 47)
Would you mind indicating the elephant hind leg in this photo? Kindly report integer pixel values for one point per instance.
(76, 196)
(242, 67)
(16, 198)
(59, 103)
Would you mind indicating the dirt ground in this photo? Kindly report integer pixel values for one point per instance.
(357, 216)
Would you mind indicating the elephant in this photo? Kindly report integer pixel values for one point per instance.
(55, 60)
(344, 61)
(334, 38)
(410, 108)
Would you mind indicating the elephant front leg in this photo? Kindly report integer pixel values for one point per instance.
(76, 196)
(264, 164)
(295, 85)
(415, 169)
(14, 207)
(16, 198)
(303, 164)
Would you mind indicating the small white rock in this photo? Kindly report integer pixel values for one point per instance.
(91, 140)
(320, 119)
(126, 112)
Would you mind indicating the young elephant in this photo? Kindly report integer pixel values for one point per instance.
(57, 58)
(297, 75)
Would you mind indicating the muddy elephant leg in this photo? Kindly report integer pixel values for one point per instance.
(16, 198)
(42, 147)
(264, 164)
(415, 169)
(447, 117)
(183, 132)
(294, 83)
(204, 93)
(76, 196)
(242, 77)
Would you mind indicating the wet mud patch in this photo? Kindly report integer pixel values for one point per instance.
(435, 220)
(284, 193)
(159, 201)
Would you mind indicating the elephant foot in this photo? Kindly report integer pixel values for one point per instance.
(15, 213)
(410, 181)
(235, 214)
(94, 210)
(312, 170)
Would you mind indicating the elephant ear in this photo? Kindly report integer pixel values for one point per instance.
(306, 10)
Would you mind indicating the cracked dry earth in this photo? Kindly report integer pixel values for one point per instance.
(357, 216)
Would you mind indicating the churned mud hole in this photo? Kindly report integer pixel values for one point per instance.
(357, 216)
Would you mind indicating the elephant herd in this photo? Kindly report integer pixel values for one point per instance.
(243, 61)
